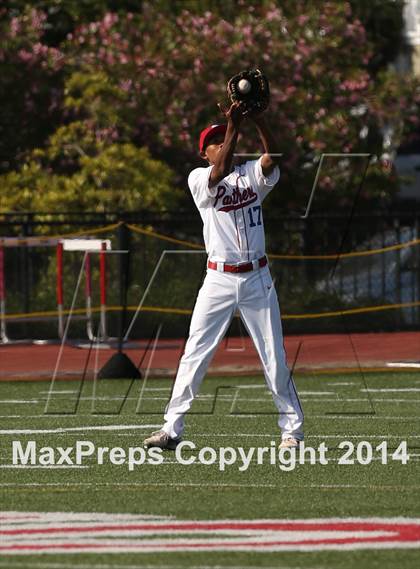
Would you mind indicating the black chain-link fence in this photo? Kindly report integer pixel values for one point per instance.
(375, 288)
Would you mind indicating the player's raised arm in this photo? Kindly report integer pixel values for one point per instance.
(224, 157)
(268, 162)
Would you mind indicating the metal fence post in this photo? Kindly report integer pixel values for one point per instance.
(124, 277)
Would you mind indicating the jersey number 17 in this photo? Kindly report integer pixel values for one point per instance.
(254, 214)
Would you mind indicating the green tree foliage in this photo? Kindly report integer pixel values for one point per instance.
(77, 172)
(82, 165)
(149, 75)
(324, 98)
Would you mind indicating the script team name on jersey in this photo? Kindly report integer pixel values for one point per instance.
(237, 199)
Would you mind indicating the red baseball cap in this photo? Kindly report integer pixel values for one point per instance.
(209, 133)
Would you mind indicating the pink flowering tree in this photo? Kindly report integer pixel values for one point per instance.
(167, 74)
(152, 78)
(30, 86)
(59, 156)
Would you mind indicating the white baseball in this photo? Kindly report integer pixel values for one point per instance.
(244, 86)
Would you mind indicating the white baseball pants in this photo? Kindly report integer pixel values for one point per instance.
(254, 296)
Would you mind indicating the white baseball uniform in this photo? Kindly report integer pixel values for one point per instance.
(234, 234)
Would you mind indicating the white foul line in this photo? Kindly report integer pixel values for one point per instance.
(71, 429)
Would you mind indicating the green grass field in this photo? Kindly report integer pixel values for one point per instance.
(373, 408)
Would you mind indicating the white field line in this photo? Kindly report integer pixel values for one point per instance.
(313, 399)
(336, 415)
(302, 392)
(385, 399)
(71, 392)
(49, 466)
(371, 436)
(254, 386)
(342, 415)
(266, 399)
(171, 461)
(129, 540)
(264, 388)
(250, 386)
(308, 461)
(75, 429)
(84, 398)
(137, 484)
(310, 436)
(357, 416)
(154, 546)
(169, 388)
(77, 391)
(347, 399)
(337, 399)
(308, 399)
(47, 565)
(163, 520)
(204, 396)
(236, 415)
(277, 435)
(64, 416)
(256, 435)
(412, 457)
(211, 396)
(402, 364)
(85, 517)
(128, 536)
(201, 486)
(269, 400)
(392, 390)
(21, 401)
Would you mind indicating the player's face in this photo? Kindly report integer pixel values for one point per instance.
(214, 148)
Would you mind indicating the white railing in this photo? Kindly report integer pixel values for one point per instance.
(412, 22)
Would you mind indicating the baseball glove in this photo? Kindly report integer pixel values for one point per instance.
(251, 89)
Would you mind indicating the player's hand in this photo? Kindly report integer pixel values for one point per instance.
(234, 113)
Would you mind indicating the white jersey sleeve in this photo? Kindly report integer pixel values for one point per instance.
(263, 184)
(198, 182)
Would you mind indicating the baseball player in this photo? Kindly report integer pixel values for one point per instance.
(229, 200)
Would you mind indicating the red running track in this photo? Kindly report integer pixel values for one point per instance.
(329, 352)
